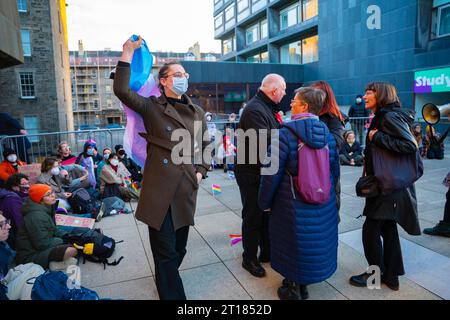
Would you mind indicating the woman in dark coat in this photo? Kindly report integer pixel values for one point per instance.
(169, 190)
(303, 236)
(391, 129)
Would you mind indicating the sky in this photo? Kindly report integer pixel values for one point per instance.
(166, 25)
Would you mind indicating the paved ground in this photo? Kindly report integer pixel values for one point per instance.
(212, 268)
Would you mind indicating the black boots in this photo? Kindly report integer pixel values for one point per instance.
(292, 291)
(255, 268)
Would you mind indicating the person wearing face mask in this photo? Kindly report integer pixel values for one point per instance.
(113, 177)
(168, 214)
(131, 166)
(11, 201)
(358, 110)
(89, 151)
(10, 165)
(260, 113)
(106, 153)
(59, 180)
(351, 153)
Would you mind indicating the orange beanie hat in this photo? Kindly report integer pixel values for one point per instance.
(38, 191)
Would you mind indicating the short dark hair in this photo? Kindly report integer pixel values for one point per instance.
(385, 92)
(14, 180)
(314, 97)
(48, 164)
(111, 156)
(163, 72)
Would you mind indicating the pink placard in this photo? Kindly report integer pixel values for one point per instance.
(78, 222)
(33, 171)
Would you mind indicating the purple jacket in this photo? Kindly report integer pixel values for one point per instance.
(11, 205)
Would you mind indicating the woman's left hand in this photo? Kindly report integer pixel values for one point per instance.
(199, 177)
(371, 134)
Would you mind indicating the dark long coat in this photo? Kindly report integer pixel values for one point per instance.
(165, 184)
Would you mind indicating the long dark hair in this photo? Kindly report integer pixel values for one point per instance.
(164, 71)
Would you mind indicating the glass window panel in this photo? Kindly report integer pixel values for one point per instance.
(289, 17)
(242, 5)
(291, 53)
(26, 42)
(22, 5)
(264, 29)
(310, 9)
(444, 22)
(310, 47)
(252, 34)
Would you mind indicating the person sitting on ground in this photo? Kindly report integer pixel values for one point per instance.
(57, 179)
(303, 236)
(417, 131)
(351, 152)
(226, 154)
(65, 155)
(106, 153)
(89, 151)
(443, 227)
(131, 166)
(6, 254)
(39, 240)
(434, 143)
(11, 201)
(10, 165)
(113, 180)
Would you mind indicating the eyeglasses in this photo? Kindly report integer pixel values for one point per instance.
(50, 194)
(4, 223)
(179, 75)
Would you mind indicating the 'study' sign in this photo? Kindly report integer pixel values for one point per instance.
(428, 81)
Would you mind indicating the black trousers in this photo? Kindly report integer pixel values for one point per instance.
(386, 255)
(169, 248)
(447, 208)
(255, 222)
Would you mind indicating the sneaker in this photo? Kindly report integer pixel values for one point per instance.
(441, 229)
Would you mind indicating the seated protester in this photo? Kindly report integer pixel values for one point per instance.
(89, 150)
(131, 166)
(351, 152)
(434, 143)
(11, 201)
(10, 165)
(113, 180)
(39, 240)
(6, 254)
(78, 177)
(106, 153)
(57, 179)
(303, 236)
(64, 154)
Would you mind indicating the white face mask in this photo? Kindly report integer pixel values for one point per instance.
(114, 162)
(55, 171)
(12, 158)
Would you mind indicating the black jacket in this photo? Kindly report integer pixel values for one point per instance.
(394, 133)
(336, 128)
(358, 111)
(258, 114)
(355, 149)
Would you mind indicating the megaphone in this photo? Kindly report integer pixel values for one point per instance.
(432, 113)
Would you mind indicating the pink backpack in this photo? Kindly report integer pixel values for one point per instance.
(313, 173)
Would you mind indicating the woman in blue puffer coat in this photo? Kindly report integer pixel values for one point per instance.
(303, 236)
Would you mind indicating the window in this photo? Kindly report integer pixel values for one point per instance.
(218, 22)
(31, 124)
(22, 5)
(291, 53)
(310, 9)
(217, 4)
(264, 29)
(258, 4)
(228, 45)
(94, 88)
(95, 104)
(252, 34)
(26, 42)
(26, 85)
(310, 49)
(242, 5)
(262, 57)
(441, 19)
(108, 89)
(229, 16)
(109, 103)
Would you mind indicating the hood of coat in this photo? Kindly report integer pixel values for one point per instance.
(30, 207)
(312, 132)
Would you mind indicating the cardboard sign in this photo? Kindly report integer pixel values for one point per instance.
(78, 222)
(33, 171)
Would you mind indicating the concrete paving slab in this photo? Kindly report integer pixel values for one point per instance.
(139, 289)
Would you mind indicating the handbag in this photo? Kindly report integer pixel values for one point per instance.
(367, 186)
(395, 171)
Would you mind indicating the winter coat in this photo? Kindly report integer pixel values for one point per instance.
(336, 127)
(303, 237)
(165, 183)
(354, 149)
(259, 114)
(57, 183)
(38, 234)
(394, 134)
(11, 206)
(358, 111)
(109, 176)
(7, 169)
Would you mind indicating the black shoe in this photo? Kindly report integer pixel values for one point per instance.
(288, 292)
(391, 283)
(264, 258)
(303, 292)
(359, 280)
(255, 268)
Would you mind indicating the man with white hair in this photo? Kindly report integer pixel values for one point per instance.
(260, 113)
